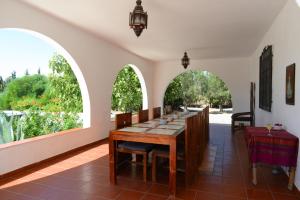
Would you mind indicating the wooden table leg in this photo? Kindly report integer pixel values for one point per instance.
(254, 178)
(172, 175)
(112, 161)
(292, 178)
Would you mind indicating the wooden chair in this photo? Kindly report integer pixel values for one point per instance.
(241, 117)
(123, 120)
(156, 112)
(196, 140)
(245, 116)
(206, 124)
(162, 151)
(189, 152)
(168, 109)
(143, 116)
(192, 149)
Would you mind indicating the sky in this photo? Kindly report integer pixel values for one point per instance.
(20, 51)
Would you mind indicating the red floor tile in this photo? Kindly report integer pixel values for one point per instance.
(132, 195)
(259, 194)
(154, 197)
(285, 197)
(207, 196)
(159, 189)
(85, 175)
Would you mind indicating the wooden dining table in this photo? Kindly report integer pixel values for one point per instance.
(150, 132)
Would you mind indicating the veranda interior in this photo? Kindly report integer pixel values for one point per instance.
(224, 39)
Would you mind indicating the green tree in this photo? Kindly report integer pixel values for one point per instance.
(194, 87)
(10, 78)
(36, 122)
(185, 89)
(48, 103)
(26, 72)
(2, 84)
(202, 81)
(174, 94)
(127, 92)
(218, 94)
(191, 88)
(21, 89)
(63, 88)
(14, 75)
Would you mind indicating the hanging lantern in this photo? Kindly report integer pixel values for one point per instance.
(138, 19)
(185, 61)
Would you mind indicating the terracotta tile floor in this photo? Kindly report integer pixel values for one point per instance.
(85, 175)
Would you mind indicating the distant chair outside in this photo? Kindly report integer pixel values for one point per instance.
(245, 116)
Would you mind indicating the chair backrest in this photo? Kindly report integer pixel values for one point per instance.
(143, 116)
(206, 123)
(252, 101)
(190, 147)
(168, 109)
(123, 120)
(196, 140)
(156, 112)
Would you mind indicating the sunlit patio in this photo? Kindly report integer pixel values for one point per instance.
(84, 174)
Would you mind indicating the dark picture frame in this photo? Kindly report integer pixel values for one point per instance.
(290, 84)
(265, 79)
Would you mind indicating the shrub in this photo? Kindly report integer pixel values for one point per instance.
(36, 122)
(127, 93)
(10, 129)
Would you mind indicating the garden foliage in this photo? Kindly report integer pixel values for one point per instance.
(127, 93)
(197, 88)
(49, 103)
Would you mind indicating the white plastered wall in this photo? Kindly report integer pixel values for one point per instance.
(99, 62)
(284, 35)
(233, 71)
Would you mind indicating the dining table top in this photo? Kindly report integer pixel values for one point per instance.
(167, 125)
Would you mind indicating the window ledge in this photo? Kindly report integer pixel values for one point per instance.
(42, 137)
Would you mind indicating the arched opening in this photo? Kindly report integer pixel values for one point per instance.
(129, 91)
(75, 68)
(36, 85)
(193, 90)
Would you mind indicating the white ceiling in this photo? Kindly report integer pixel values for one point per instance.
(205, 28)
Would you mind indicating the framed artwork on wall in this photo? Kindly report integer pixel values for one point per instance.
(290, 84)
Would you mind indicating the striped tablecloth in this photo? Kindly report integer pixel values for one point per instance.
(277, 148)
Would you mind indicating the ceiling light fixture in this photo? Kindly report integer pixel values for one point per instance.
(298, 2)
(185, 61)
(138, 19)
